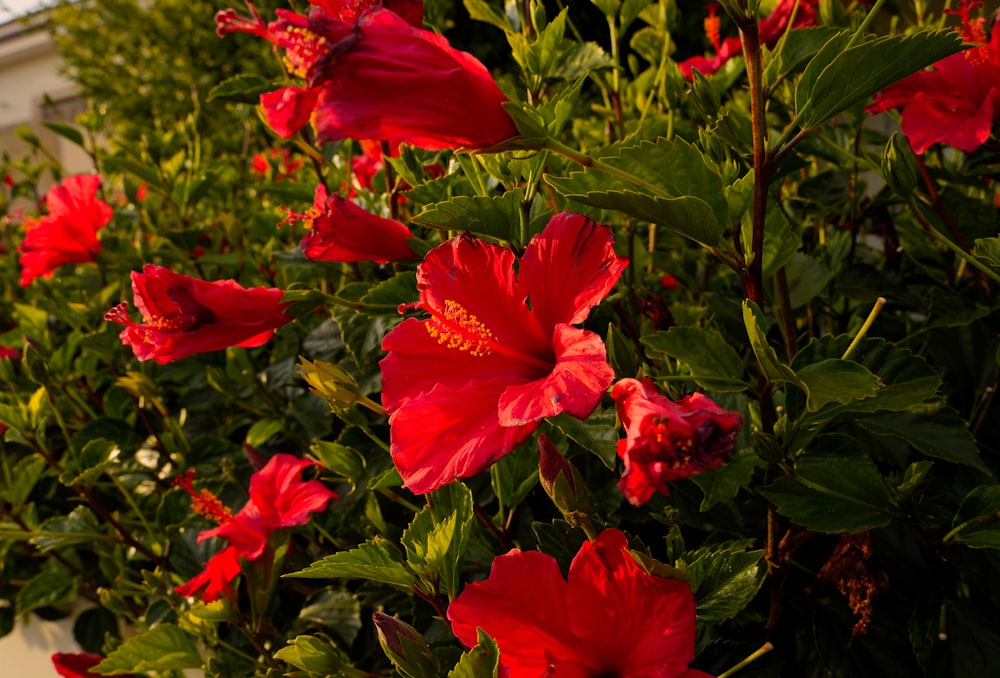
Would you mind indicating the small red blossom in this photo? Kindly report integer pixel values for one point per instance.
(499, 351)
(279, 498)
(260, 165)
(371, 74)
(184, 315)
(771, 28)
(610, 618)
(9, 353)
(957, 101)
(669, 281)
(341, 231)
(68, 233)
(141, 192)
(78, 665)
(8, 180)
(668, 440)
(284, 167)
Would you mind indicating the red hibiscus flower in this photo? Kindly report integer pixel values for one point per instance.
(341, 231)
(958, 100)
(78, 665)
(771, 28)
(68, 233)
(668, 440)
(279, 498)
(184, 315)
(371, 75)
(611, 618)
(499, 351)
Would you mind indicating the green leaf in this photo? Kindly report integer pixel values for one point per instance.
(24, 475)
(687, 195)
(596, 433)
(316, 656)
(979, 518)
(44, 589)
(837, 381)
(724, 578)
(515, 475)
(798, 45)
(480, 10)
(807, 277)
(437, 538)
(714, 364)
(164, 647)
(340, 459)
(96, 457)
(840, 78)
(78, 527)
(66, 132)
(773, 369)
(987, 250)
(482, 661)
(264, 430)
(334, 609)
(386, 297)
(244, 89)
(492, 217)
(832, 494)
(942, 434)
(144, 172)
(375, 560)
(724, 482)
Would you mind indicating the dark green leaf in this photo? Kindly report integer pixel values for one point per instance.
(854, 74)
(482, 661)
(481, 10)
(493, 217)
(67, 132)
(724, 482)
(164, 647)
(596, 434)
(797, 46)
(979, 518)
(78, 527)
(837, 381)
(316, 656)
(375, 560)
(244, 89)
(714, 364)
(44, 589)
(942, 434)
(987, 250)
(724, 579)
(386, 297)
(832, 494)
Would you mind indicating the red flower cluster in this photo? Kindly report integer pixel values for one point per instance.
(372, 73)
(342, 231)
(78, 665)
(668, 440)
(499, 351)
(279, 498)
(611, 618)
(68, 233)
(771, 28)
(284, 166)
(184, 315)
(958, 100)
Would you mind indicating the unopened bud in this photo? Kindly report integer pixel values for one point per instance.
(564, 484)
(899, 166)
(405, 648)
(335, 385)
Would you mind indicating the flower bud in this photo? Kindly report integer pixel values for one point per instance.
(331, 382)
(564, 484)
(899, 165)
(406, 648)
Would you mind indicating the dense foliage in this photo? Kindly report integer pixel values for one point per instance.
(629, 350)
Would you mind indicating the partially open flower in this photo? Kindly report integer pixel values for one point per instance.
(668, 440)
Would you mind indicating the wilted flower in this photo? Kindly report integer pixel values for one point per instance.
(341, 231)
(668, 440)
(611, 618)
(371, 74)
(957, 101)
(499, 351)
(184, 315)
(68, 233)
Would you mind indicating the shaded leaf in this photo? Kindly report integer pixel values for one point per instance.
(492, 217)
(724, 579)
(44, 589)
(942, 434)
(375, 560)
(714, 364)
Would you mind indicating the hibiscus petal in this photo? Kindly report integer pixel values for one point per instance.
(575, 385)
(646, 623)
(568, 268)
(522, 605)
(451, 433)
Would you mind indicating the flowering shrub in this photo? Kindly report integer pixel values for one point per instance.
(502, 339)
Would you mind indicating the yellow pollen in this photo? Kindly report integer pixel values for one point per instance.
(307, 49)
(457, 328)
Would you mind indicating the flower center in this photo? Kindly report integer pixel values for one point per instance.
(303, 49)
(459, 329)
(203, 502)
(455, 327)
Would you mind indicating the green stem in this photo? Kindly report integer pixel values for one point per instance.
(764, 649)
(879, 303)
(969, 259)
